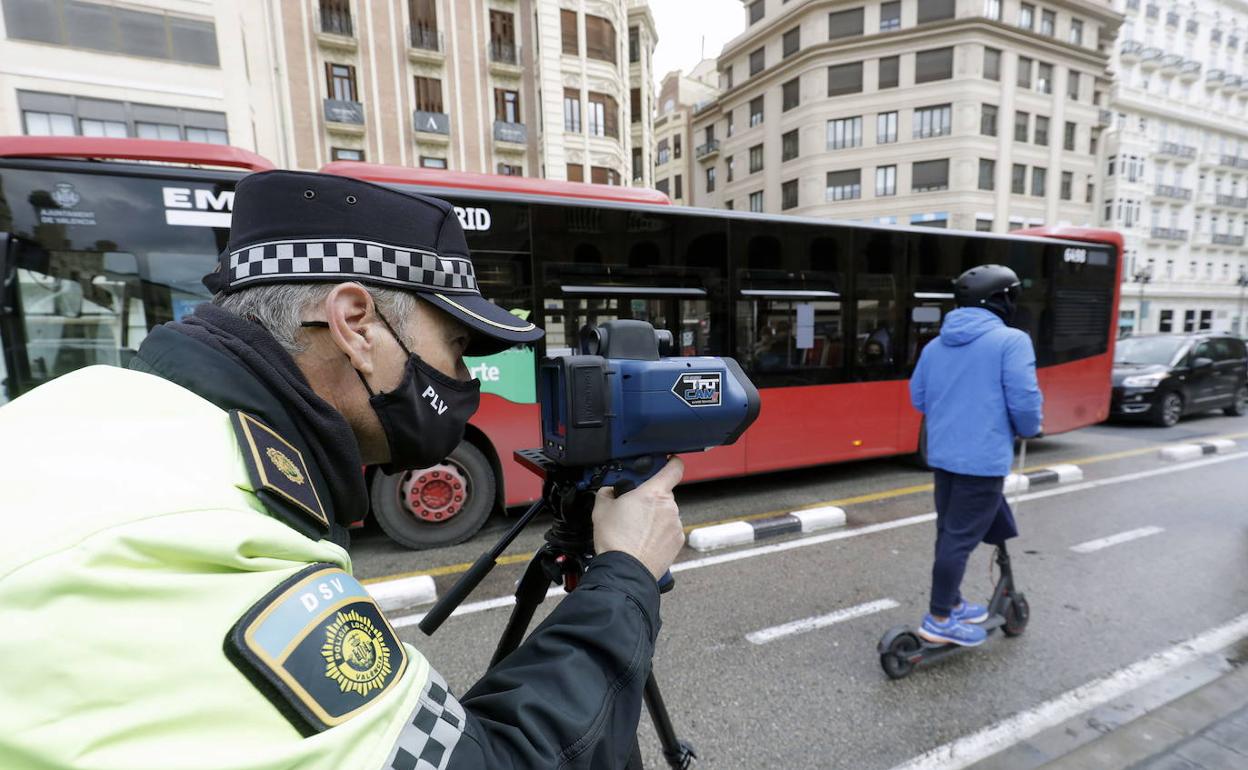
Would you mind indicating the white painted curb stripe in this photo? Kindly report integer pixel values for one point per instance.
(721, 536)
(1181, 452)
(1121, 537)
(1067, 474)
(1016, 482)
(972, 748)
(404, 592)
(820, 621)
(815, 519)
(1223, 444)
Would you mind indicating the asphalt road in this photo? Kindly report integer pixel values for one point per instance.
(819, 699)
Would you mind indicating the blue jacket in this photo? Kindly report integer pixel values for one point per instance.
(977, 387)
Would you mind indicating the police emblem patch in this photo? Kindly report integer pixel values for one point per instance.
(319, 647)
(284, 464)
(279, 476)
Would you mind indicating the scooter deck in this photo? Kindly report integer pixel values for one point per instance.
(928, 647)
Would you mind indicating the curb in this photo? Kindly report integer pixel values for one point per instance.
(1057, 474)
(741, 532)
(1194, 449)
(404, 592)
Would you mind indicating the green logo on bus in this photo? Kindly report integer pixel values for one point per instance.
(511, 374)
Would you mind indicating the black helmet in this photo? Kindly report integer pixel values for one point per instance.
(977, 286)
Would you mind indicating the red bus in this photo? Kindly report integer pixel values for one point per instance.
(827, 317)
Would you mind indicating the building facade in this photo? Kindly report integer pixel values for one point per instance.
(679, 96)
(969, 114)
(1176, 165)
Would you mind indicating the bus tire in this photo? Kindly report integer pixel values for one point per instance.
(408, 505)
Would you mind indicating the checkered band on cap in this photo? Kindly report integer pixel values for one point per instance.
(432, 730)
(341, 259)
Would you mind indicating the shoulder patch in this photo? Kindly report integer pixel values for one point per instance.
(319, 647)
(278, 472)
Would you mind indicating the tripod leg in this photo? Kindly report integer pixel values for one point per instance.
(679, 755)
(529, 593)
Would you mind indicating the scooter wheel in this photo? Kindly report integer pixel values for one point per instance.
(896, 659)
(1016, 616)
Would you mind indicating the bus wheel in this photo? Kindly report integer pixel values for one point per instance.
(436, 506)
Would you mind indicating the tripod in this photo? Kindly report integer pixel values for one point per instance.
(562, 560)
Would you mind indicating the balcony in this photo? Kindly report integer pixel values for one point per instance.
(1231, 201)
(1232, 161)
(1167, 234)
(1172, 19)
(511, 133)
(1150, 58)
(1176, 150)
(708, 150)
(425, 44)
(431, 123)
(1226, 239)
(1214, 78)
(1130, 50)
(504, 58)
(1172, 63)
(1231, 83)
(1105, 118)
(344, 117)
(1190, 71)
(1172, 192)
(336, 30)
(1193, 27)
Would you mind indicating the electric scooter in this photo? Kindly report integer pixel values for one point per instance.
(902, 649)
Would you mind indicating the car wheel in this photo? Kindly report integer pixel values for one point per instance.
(436, 506)
(1238, 407)
(1168, 410)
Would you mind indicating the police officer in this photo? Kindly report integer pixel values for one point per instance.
(174, 586)
(976, 386)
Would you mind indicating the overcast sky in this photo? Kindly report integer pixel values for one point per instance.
(687, 28)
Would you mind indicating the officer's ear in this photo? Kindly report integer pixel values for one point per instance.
(352, 324)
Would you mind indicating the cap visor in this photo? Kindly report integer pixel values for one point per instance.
(494, 328)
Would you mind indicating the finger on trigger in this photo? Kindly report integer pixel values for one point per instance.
(669, 475)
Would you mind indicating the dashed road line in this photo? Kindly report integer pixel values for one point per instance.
(765, 635)
(1118, 539)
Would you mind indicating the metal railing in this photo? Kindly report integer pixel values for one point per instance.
(1168, 234)
(336, 20)
(1132, 47)
(1190, 69)
(709, 148)
(431, 122)
(342, 111)
(1172, 61)
(1226, 239)
(1215, 75)
(426, 39)
(1177, 150)
(1151, 54)
(1231, 201)
(1170, 191)
(504, 53)
(510, 132)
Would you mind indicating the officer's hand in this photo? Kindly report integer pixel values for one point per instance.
(644, 523)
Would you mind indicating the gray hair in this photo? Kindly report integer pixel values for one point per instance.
(281, 308)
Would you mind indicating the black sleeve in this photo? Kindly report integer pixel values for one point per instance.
(570, 696)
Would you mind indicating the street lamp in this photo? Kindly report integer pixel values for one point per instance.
(1143, 277)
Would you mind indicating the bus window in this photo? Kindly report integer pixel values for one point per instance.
(689, 320)
(877, 270)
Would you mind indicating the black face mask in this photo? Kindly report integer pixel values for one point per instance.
(425, 415)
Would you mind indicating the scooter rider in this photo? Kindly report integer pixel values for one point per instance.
(976, 387)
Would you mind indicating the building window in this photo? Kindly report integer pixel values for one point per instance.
(428, 94)
(341, 82)
(726, 78)
(983, 225)
(756, 159)
(1018, 179)
(604, 116)
(845, 133)
(503, 37)
(1024, 72)
(886, 128)
(567, 23)
(1044, 78)
(166, 131)
(506, 106)
(1048, 23)
(1021, 120)
(1068, 185)
(988, 120)
(208, 135)
(1076, 32)
(933, 65)
(756, 111)
(845, 23)
(663, 186)
(634, 105)
(1042, 131)
(756, 11)
(992, 9)
(1068, 142)
(576, 172)
(729, 166)
(507, 169)
(600, 43)
(885, 181)
(336, 17)
(844, 185)
(1039, 181)
(1166, 323)
(756, 202)
(730, 123)
(634, 45)
(1091, 196)
(676, 146)
(603, 175)
(679, 187)
(1072, 85)
(729, 205)
(1027, 16)
(758, 61)
(120, 30)
(890, 16)
(48, 123)
(710, 179)
(933, 121)
(792, 42)
(845, 79)
(638, 163)
(345, 153)
(791, 94)
(929, 175)
(427, 161)
(788, 194)
(115, 129)
(987, 174)
(992, 64)
(663, 152)
(1189, 318)
(935, 10)
(889, 67)
(789, 145)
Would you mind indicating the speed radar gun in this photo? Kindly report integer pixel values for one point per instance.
(612, 414)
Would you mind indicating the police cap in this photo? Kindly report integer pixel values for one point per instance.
(292, 226)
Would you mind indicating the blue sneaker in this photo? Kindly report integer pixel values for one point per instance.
(952, 631)
(966, 612)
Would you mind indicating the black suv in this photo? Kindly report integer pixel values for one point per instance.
(1162, 377)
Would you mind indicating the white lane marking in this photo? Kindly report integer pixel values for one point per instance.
(788, 545)
(1121, 537)
(972, 748)
(766, 635)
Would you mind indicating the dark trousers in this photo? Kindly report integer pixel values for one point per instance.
(969, 510)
